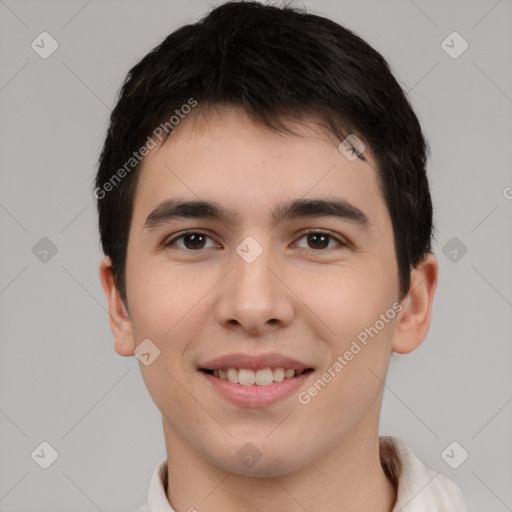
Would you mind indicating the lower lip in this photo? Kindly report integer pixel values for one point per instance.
(257, 396)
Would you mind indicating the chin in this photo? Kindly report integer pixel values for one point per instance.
(249, 460)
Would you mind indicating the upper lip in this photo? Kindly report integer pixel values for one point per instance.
(254, 362)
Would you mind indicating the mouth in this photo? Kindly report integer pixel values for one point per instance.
(261, 377)
(255, 380)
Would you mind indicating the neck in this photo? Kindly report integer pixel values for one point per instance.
(347, 478)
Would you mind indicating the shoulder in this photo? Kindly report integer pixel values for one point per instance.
(419, 488)
(157, 496)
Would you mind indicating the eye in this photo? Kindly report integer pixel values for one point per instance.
(192, 240)
(196, 240)
(320, 239)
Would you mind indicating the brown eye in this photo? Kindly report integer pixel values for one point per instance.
(192, 240)
(319, 240)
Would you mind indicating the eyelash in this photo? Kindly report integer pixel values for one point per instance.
(340, 242)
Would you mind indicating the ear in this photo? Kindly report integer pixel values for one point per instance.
(414, 320)
(119, 318)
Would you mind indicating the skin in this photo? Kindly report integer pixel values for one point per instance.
(299, 298)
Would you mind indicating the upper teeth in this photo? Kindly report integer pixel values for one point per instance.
(259, 377)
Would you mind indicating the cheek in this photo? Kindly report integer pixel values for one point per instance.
(361, 320)
(348, 299)
(357, 307)
(168, 305)
(151, 302)
(168, 310)
(363, 335)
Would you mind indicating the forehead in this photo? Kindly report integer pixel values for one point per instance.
(245, 167)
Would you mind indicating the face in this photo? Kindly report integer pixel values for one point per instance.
(288, 276)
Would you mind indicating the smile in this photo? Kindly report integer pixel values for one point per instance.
(248, 377)
(255, 380)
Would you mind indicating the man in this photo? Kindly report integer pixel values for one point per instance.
(266, 219)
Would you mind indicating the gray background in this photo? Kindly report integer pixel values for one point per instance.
(60, 379)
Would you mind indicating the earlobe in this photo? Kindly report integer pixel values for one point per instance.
(414, 320)
(120, 322)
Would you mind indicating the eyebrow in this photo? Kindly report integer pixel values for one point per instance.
(173, 209)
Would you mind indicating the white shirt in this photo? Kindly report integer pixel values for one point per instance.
(420, 489)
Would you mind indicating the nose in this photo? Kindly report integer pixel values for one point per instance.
(254, 297)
